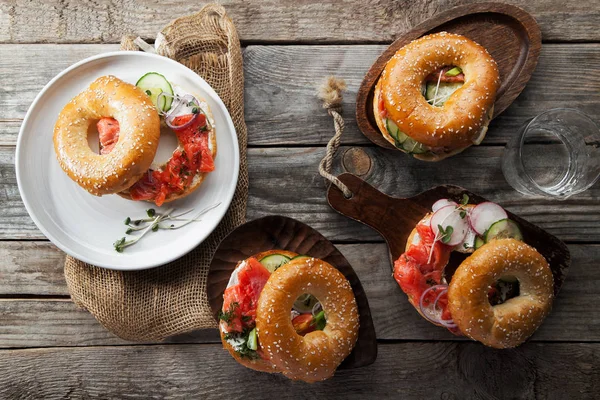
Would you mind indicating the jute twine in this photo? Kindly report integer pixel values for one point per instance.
(331, 94)
(169, 300)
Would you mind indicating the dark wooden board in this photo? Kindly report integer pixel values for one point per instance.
(509, 33)
(283, 233)
(394, 218)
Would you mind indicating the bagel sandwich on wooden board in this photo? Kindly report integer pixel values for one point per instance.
(499, 295)
(435, 97)
(288, 313)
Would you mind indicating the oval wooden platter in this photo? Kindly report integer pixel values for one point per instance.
(277, 232)
(509, 33)
(394, 218)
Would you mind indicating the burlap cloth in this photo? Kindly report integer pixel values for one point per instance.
(172, 299)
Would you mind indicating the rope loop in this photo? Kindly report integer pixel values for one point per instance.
(331, 94)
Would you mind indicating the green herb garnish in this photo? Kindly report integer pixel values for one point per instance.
(145, 225)
(194, 110)
(465, 199)
(228, 315)
(319, 321)
(446, 234)
(149, 93)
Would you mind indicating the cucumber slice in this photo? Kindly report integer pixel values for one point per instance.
(505, 228)
(274, 261)
(154, 80)
(413, 147)
(479, 242)
(153, 93)
(443, 92)
(252, 342)
(396, 133)
(392, 128)
(305, 303)
(454, 71)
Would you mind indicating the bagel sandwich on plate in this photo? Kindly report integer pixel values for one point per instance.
(288, 313)
(435, 97)
(499, 295)
(129, 119)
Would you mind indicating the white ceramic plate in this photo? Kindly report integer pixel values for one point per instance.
(86, 226)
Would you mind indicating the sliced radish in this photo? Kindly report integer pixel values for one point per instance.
(484, 215)
(450, 216)
(441, 203)
(468, 243)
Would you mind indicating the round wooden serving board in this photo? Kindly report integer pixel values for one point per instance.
(394, 218)
(282, 233)
(509, 33)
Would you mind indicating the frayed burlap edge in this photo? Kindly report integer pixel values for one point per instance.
(171, 299)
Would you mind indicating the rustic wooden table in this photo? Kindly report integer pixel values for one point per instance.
(50, 349)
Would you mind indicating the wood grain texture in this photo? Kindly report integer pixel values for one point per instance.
(508, 33)
(413, 370)
(280, 102)
(95, 21)
(57, 322)
(285, 181)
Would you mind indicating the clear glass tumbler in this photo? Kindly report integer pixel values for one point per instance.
(556, 154)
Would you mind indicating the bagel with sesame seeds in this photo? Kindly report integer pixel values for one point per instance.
(102, 174)
(266, 326)
(435, 96)
(508, 324)
(499, 295)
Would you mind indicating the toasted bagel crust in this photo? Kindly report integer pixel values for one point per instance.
(131, 157)
(315, 356)
(458, 123)
(508, 324)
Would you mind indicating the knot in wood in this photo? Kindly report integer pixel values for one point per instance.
(356, 161)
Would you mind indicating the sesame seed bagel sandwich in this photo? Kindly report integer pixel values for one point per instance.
(435, 97)
(288, 313)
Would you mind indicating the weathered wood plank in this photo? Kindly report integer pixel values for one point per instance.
(271, 21)
(57, 322)
(285, 181)
(281, 106)
(402, 370)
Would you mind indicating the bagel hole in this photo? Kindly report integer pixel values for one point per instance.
(437, 90)
(306, 314)
(167, 144)
(504, 289)
(93, 137)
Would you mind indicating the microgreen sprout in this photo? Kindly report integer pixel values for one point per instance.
(145, 225)
(446, 233)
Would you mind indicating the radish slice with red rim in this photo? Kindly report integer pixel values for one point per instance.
(449, 216)
(441, 203)
(484, 215)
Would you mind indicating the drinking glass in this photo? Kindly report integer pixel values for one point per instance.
(556, 154)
